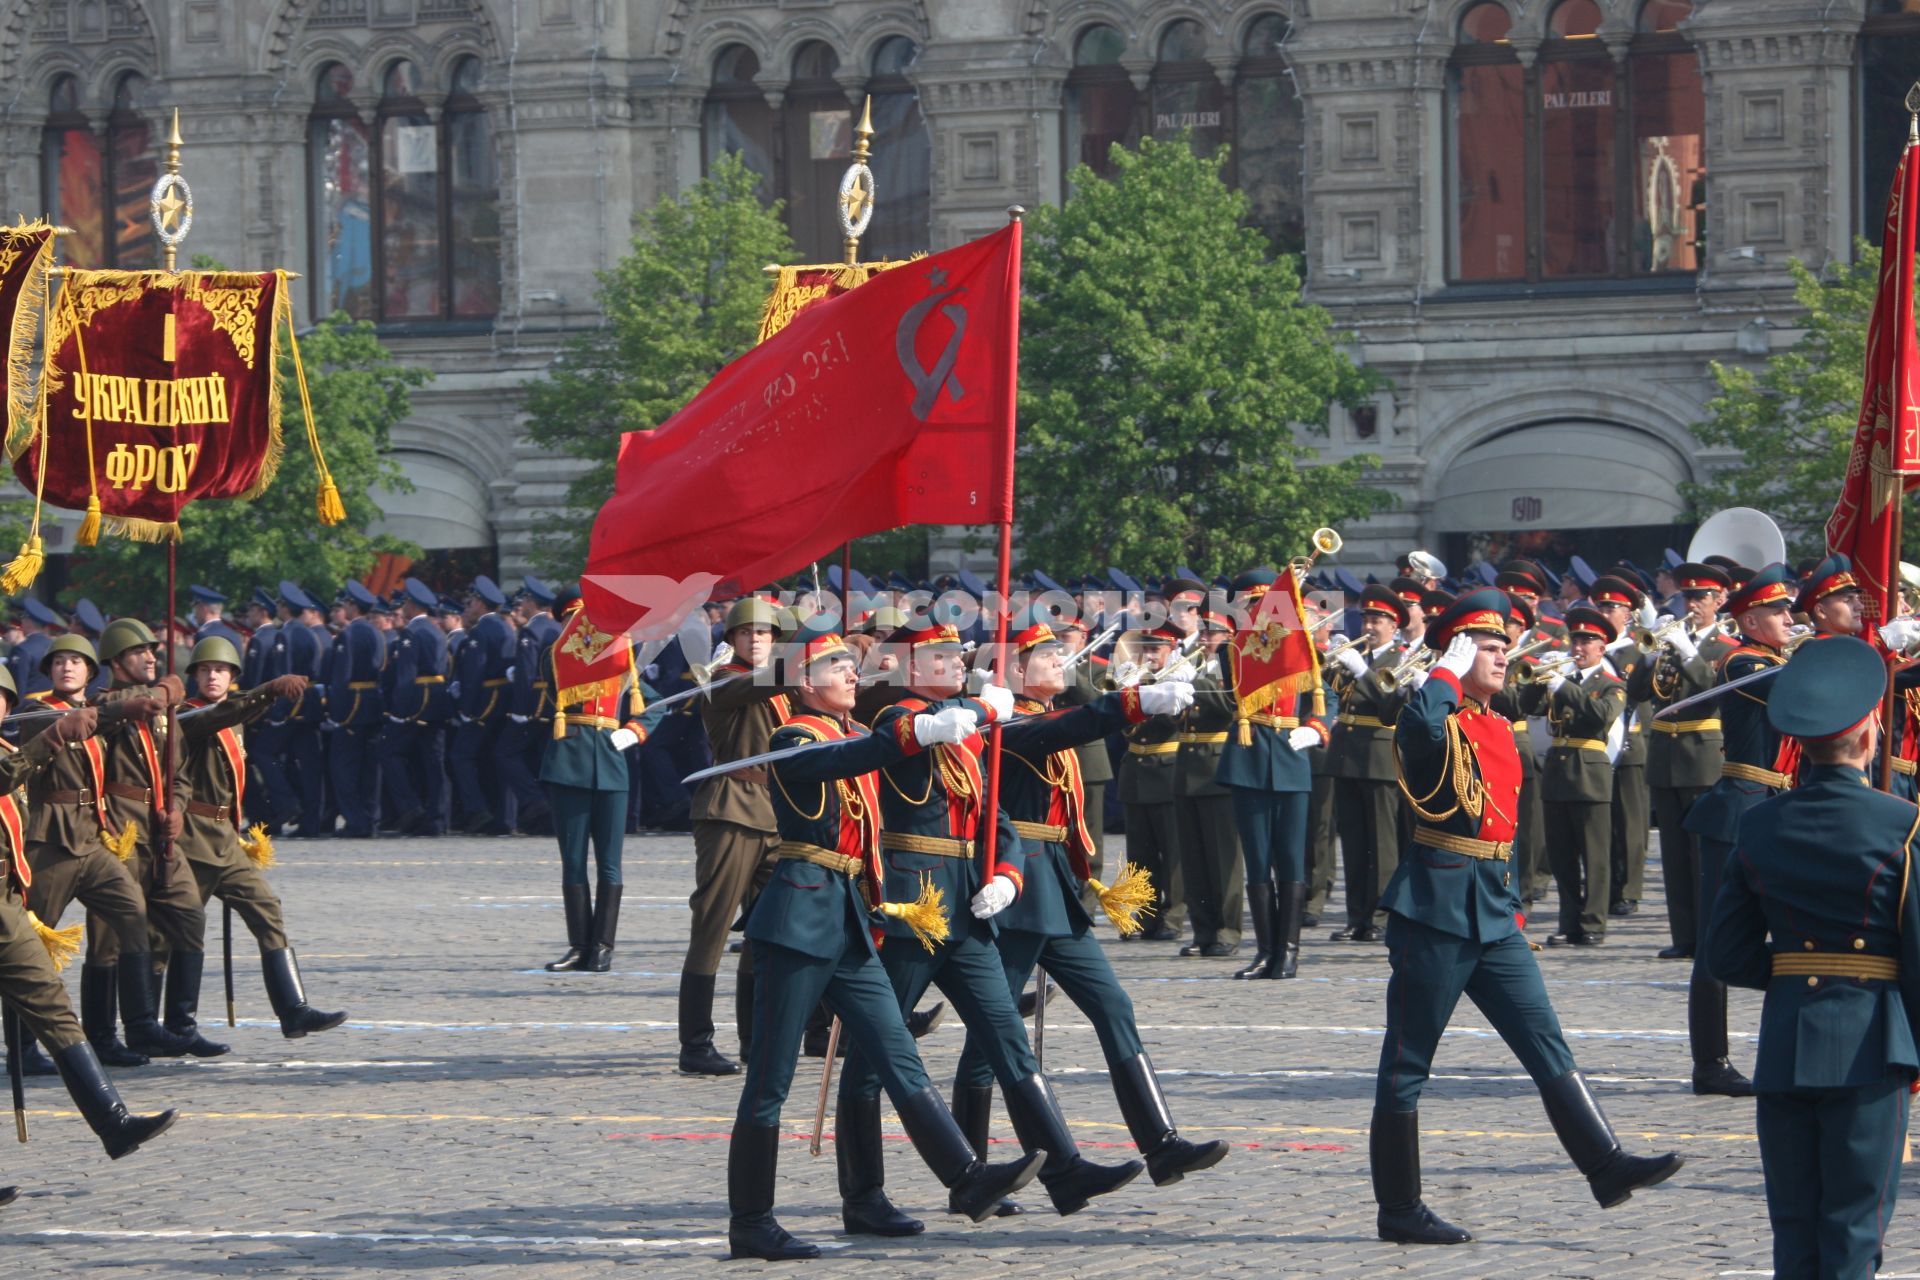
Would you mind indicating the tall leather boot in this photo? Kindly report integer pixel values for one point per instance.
(974, 1187)
(1289, 911)
(606, 923)
(97, 1018)
(34, 1060)
(1260, 902)
(698, 1057)
(973, 1112)
(1584, 1132)
(579, 908)
(1170, 1157)
(119, 1132)
(864, 1207)
(1393, 1153)
(1070, 1178)
(1713, 1072)
(751, 1230)
(144, 1032)
(289, 998)
(182, 1003)
(9, 1194)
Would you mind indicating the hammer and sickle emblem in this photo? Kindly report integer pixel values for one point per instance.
(928, 382)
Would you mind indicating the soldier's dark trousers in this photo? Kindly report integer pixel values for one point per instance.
(1679, 862)
(28, 981)
(356, 777)
(1153, 842)
(1368, 813)
(174, 912)
(1706, 995)
(1082, 971)
(511, 774)
(1273, 834)
(1530, 838)
(1210, 867)
(1322, 868)
(307, 763)
(470, 766)
(1832, 1163)
(273, 800)
(398, 748)
(1431, 970)
(1580, 845)
(101, 882)
(1631, 821)
(582, 817)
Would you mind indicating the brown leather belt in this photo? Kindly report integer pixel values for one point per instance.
(1754, 773)
(1466, 846)
(938, 846)
(831, 859)
(1044, 831)
(218, 812)
(127, 791)
(1815, 965)
(68, 797)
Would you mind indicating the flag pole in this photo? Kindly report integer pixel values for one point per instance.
(1003, 583)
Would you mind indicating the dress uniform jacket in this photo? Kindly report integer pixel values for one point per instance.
(1530, 869)
(584, 756)
(1366, 801)
(1754, 767)
(357, 659)
(1683, 760)
(1209, 842)
(1149, 788)
(740, 717)
(416, 678)
(66, 801)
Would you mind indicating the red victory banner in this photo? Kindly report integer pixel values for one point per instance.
(885, 406)
(160, 389)
(1274, 656)
(26, 251)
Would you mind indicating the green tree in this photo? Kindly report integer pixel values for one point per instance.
(683, 303)
(359, 395)
(1792, 421)
(1167, 364)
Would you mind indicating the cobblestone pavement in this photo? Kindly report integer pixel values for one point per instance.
(479, 1117)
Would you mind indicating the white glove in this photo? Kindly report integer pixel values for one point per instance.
(1459, 657)
(995, 897)
(1168, 698)
(652, 671)
(1554, 682)
(1352, 662)
(1416, 681)
(1622, 642)
(1126, 674)
(1303, 739)
(950, 724)
(1648, 616)
(1682, 645)
(1900, 634)
(511, 672)
(722, 655)
(999, 699)
(624, 738)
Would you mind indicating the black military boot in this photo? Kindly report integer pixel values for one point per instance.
(182, 1003)
(119, 1132)
(97, 1018)
(923, 1021)
(1393, 1152)
(9, 1194)
(864, 1207)
(974, 1187)
(574, 897)
(289, 999)
(1029, 1001)
(973, 1112)
(33, 1059)
(752, 1157)
(1289, 910)
(144, 1032)
(1170, 1157)
(1070, 1178)
(698, 1057)
(1260, 902)
(819, 1030)
(1584, 1132)
(1713, 1073)
(606, 923)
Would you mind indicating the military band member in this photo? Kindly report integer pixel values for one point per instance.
(1625, 605)
(480, 673)
(355, 712)
(1819, 911)
(409, 745)
(1530, 869)
(1365, 796)
(1322, 860)
(813, 930)
(1684, 753)
(1453, 930)
(1757, 764)
(1088, 681)
(1209, 842)
(1149, 777)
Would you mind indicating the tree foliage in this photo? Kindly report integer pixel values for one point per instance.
(1167, 367)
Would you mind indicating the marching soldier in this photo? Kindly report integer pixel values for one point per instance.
(1757, 764)
(1209, 842)
(813, 931)
(1089, 681)
(1149, 777)
(301, 650)
(1622, 603)
(1684, 756)
(1818, 911)
(1365, 798)
(355, 712)
(480, 678)
(408, 746)
(1530, 833)
(209, 792)
(1584, 704)
(1453, 930)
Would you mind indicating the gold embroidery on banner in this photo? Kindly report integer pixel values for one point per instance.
(587, 643)
(234, 312)
(1266, 642)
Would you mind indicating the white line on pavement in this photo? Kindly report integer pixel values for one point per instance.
(401, 1237)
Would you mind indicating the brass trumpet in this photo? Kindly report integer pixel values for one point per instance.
(1659, 635)
(1532, 646)
(1392, 678)
(1545, 669)
(1326, 542)
(1341, 648)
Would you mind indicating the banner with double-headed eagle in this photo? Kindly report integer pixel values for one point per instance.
(1273, 656)
(26, 251)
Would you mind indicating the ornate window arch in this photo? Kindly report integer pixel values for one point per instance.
(902, 156)
(1889, 51)
(1184, 94)
(819, 141)
(737, 117)
(1269, 134)
(99, 183)
(1102, 105)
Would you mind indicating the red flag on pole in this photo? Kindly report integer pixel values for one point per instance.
(882, 407)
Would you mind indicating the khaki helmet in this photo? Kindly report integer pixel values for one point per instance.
(214, 649)
(8, 687)
(751, 611)
(886, 620)
(123, 634)
(71, 644)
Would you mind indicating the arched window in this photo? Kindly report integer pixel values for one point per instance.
(737, 118)
(100, 187)
(1102, 105)
(819, 142)
(342, 208)
(473, 196)
(1268, 134)
(1569, 169)
(902, 158)
(409, 273)
(1889, 53)
(1186, 94)
(132, 168)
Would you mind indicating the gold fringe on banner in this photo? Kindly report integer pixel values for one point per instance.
(25, 567)
(62, 944)
(790, 295)
(28, 314)
(134, 529)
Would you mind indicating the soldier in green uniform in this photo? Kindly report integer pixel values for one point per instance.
(1624, 604)
(1322, 820)
(1149, 777)
(210, 791)
(1818, 909)
(813, 929)
(1365, 796)
(1209, 842)
(1453, 930)
(1530, 834)
(1088, 680)
(1684, 754)
(1584, 703)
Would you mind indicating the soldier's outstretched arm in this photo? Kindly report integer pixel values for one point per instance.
(1039, 735)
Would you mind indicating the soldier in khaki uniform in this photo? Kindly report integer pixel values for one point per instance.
(1623, 603)
(210, 791)
(1148, 779)
(1365, 796)
(1209, 842)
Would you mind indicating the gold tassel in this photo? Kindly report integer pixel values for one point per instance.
(258, 845)
(925, 915)
(25, 567)
(1246, 731)
(331, 509)
(120, 843)
(1320, 700)
(90, 527)
(62, 944)
(1127, 899)
(559, 724)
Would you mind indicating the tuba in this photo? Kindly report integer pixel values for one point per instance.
(1742, 534)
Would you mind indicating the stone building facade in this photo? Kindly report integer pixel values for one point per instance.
(1541, 219)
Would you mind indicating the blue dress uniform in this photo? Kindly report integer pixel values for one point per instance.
(293, 727)
(1755, 769)
(271, 793)
(24, 661)
(410, 747)
(1453, 929)
(1049, 927)
(90, 624)
(480, 670)
(813, 932)
(355, 709)
(521, 738)
(1817, 908)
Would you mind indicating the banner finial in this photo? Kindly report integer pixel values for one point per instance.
(1913, 113)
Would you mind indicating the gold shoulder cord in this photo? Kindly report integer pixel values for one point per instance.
(818, 813)
(1460, 768)
(1906, 873)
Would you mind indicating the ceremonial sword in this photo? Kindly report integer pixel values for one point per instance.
(1752, 677)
